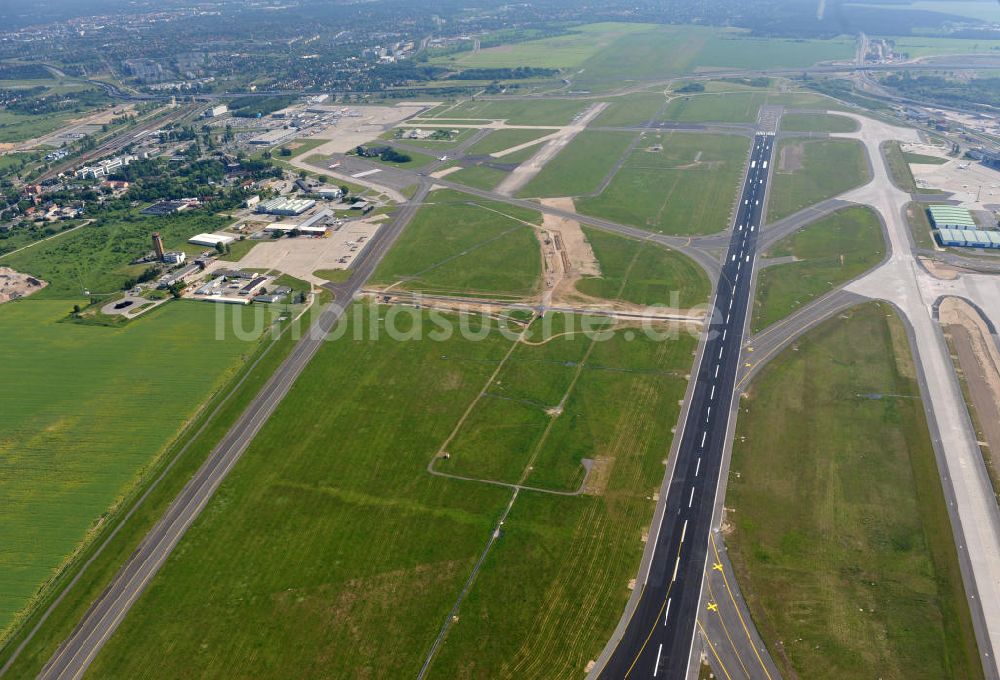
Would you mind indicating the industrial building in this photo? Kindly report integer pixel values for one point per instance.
(956, 228)
(232, 287)
(329, 193)
(211, 240)
(968, 238)
(178, 276)
(951, 217)
(161, 208)
(288, 227)
(216, 111)
(273, 137)
(285, 206)
(174, 257)
(319, 218)
(105, 167)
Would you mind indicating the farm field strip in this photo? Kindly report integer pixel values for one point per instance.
(93, 409)
(422, 533)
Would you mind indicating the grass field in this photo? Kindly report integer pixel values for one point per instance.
(841, 539)
(14, 160)
(738, 107)
(19, 127)
(633, 109)
(920, 225)
(117, 538)
(929, 47)
(478, 176)
(921, 158)
(829, 252)
(501, 140)
(601, 53)
(433, 145)
(899, 169)
(734, 107)
(85, 410)
(687, 188)
(417, 160)
(96, 257)
(734, 48)
(274, 601)
(816, 122)
(334, 275)
(974, 9)
(520, 156)
(580, 167)
(810, 171)
(300, 147)
(562, 51)
(464, 245)
(515, 112)
(642, 273)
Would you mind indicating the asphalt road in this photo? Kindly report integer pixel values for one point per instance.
(76, 653)
(657, 640)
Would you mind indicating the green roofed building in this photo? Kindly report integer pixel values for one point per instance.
(968, 238)
(951, 217)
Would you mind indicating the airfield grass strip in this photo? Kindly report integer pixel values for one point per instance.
(840, 536)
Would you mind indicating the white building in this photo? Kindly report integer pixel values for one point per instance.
(330, 193)
(272, 137)
(285, 206)
(105, 167)
(175, 257)
(210, 240)
(216, 111)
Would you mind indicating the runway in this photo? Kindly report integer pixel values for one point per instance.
(657, 640)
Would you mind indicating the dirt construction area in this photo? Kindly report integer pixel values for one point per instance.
(301, 256)
(566, 253)
(978, 360)
(14, 284)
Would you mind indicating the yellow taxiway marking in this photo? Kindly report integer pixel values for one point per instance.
(732, 597)
(714, 653)
(712, 607)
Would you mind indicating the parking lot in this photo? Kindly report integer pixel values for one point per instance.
(302, 255)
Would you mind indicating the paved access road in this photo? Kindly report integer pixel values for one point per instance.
(657, 640)
(106, 613)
